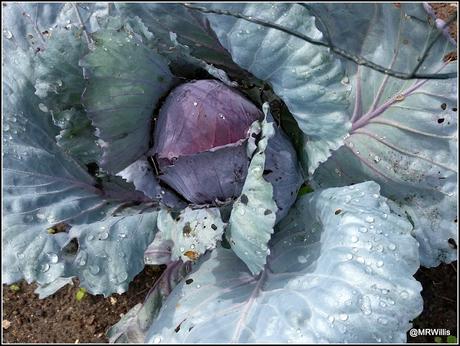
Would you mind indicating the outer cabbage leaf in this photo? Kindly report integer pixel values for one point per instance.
(29, 25)
(254, 213)
(191, 28)
(159, 251)
(404, 132)
(283, 171)
(60, 84)
(307, 77)
(46, 193)
(125, 81)
(192, 232)
(47, 290)
(134, 324)
(340, 270)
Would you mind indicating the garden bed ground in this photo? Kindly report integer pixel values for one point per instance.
(62, 318)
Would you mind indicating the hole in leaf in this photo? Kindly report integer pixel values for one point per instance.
(214, 227)
(338, 211)
(187, 229)
(440, 120)
(188, 281)
(454, 109)
(60, 227)
(443, 106)
(450, 56)
(244, 199)
(267, 212)
(178, 327)
(267, 171)
(452, 243)
(71, 249)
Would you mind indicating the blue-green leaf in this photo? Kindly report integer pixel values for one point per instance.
(51, 205)
(125, 81)
(192, 232)
(340, 270)
(190, 27)
(60, 84)
(404, 132)
(254, 212)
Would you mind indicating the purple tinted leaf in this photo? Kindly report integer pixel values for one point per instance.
(141, 174)
(210, 175)
(282, 171)
(159, 251)
(202, 115)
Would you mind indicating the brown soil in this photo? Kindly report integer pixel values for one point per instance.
(439, 301)
(61, 318)
(445, 11)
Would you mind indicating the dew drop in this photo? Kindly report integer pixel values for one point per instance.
(379, 264)
(122, 277)
(94, 269)
(363, 229)
(392, 246)
(81, 260)
(7, 34)
(103, 235)
(331, 319)
(345, 80)
(52, 257)
(404, 294)
(157, 340)
(195, 104)
(354, 239)
(349, 257)
(198, 285)
(370, 219)
(302, 259)
(382, 320)
(44, 267)
(43, 108)
(376, 158)
(343, 317)
(242, 211)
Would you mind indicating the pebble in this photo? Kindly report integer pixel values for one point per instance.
(6, 324)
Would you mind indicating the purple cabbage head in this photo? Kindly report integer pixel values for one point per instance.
(200, 144)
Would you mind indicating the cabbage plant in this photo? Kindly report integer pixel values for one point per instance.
(292, 165)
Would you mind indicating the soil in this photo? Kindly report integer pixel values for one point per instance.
(439, 301)
(62, 318)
